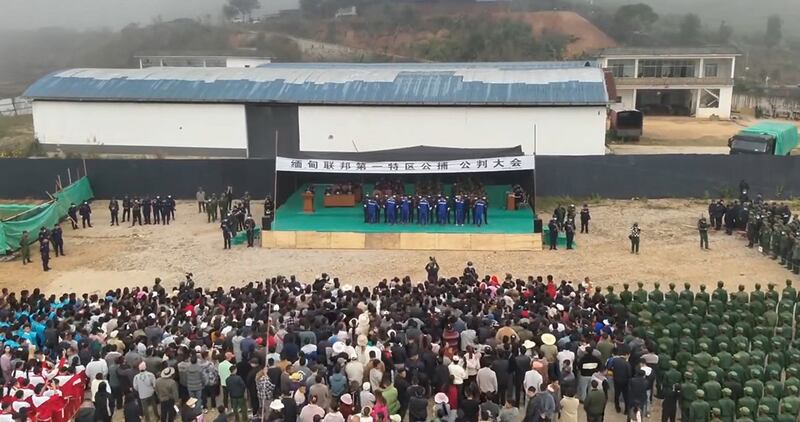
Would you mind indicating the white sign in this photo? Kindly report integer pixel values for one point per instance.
(471, 165)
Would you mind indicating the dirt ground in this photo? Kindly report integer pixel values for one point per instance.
(106, 257)
(688, 131)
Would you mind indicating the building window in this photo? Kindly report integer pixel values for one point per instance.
(666, 69)
(710, 70)
(621, 70)
(709, 98)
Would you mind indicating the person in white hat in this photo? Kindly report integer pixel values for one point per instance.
(442, 409)
(365, 397)
(457, 371)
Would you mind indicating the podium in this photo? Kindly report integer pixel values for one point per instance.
(308, 201)
(511, 202)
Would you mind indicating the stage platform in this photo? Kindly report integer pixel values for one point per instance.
(344, 228)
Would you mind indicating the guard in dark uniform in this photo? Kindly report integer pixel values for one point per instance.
(86, 214)
(72, 212)
(250, 229)
(147, 207)
(171, 203)
(166, 213)
(372, 210)
(226, 233)
(57, 237)
(269, 213)
(126, 208)
(246, 202)
(113, 208)
(44, 251)
(585, 217)
(569, 231)
(553, 226)
(156, 209)
(137, 212)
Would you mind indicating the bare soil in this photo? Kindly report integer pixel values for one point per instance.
(688, 131)
(586, 37)
(107, 257)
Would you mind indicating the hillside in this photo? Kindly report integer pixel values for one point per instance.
(585, 37)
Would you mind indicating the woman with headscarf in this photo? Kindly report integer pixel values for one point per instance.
(103, 408)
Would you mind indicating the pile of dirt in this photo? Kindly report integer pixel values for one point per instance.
(586, 37)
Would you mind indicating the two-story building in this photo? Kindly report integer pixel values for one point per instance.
(681, 81)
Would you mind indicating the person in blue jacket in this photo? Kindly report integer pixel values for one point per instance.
(405, 210)
(391, 210)
(478, 212)
(442, 211)
(423, 209)
(460, 209)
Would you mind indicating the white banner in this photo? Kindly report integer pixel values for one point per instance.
(472, 165)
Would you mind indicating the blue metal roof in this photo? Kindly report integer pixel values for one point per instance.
(515, 83)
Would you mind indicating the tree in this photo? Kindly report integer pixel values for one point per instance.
(724, 33)
(774, 31)
(244, 8)
(633, 19)
(690, 29)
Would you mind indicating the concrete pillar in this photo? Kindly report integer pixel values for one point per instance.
(701, 72)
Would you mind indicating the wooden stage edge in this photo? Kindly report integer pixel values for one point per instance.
(401, 241)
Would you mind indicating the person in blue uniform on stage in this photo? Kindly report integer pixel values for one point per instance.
(391, 210)
(442, 211)
(405, 210)
(423, 211)
(460, 209)
(372, 211)
(478, 212)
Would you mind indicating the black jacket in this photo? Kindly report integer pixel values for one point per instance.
(637, 391)
(236, 386)
(622, 370)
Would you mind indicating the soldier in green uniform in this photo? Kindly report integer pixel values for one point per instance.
(719, 373)
(699, 409)
(771, 293)
(742, 298)
(671, 376)
(671, 294)
(712, 389)
(792, 379)
(774, 385)
(223, 206)
(25, 248)
(720, 293)
(749, 401)
(640, 295)
(626, 296)
(686, 341)
(702, 228)
(786, 250)
(702, 295)
(611, 297)
(757, 295)
(763, 415)
(770, 401)
(716, 415)
(687, 294)
(788, 412)
(656, 295)
(688, 395)
(726, 406)
(790, 405)
(744, 415)
(764, 238)
(755, 383)
(789, 292)
(739, 341)
(725, 357)
(775, 241)
(796, 257)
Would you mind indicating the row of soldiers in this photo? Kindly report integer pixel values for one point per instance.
(718, 355)
(776, 233)
(458, 209)
(162, 210)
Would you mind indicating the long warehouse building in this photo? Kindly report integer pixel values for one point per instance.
(551, 108)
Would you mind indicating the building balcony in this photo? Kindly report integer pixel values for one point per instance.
(666, 82)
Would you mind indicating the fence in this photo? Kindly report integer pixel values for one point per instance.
(15, 106)
(612, 176)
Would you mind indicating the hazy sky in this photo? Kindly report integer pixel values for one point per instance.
(87, 14)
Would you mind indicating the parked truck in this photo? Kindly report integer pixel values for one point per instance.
(773, 138)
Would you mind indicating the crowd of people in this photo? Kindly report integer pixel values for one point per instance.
(476, 347)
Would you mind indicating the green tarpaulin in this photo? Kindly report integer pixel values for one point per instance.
(44, 215)
(10, 210)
